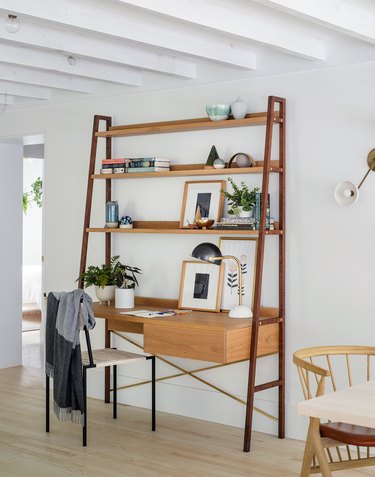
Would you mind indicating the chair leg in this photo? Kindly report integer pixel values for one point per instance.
(47, 403)
(84, 429)
(114, 392)
(153, 394)
(308, 454)
(318, 448)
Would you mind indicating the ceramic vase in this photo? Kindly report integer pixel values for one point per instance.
(124, 298)
(239, 109)
(106, 294)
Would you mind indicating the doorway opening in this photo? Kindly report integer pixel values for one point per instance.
(32, 262)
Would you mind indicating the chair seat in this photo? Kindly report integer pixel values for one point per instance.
(348, 434)
(110, 357)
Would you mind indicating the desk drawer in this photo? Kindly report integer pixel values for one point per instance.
(185, 343)
(206, 345)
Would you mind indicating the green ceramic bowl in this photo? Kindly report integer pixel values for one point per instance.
(218, 112)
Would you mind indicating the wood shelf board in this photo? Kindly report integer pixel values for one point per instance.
(177, 231)
(186, 173)
(194, 124)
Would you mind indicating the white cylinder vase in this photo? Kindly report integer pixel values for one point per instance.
(124, 298)
(105, 294)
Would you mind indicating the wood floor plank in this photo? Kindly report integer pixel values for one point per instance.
(181, 447)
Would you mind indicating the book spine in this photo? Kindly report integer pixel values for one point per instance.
(114, 161)
(148, 169)
(147, 163)
(258, 205)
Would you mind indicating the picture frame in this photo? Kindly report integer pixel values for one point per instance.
(207, 195)
(201, 286)
(245, 249)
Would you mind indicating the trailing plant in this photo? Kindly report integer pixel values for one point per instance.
(116, 273)
(34, 195)
(241, 196)
(125, 276)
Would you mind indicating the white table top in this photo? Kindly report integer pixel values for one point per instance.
(354, 405)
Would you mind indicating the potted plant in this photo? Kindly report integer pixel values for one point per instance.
(104, 278)
(126, 281)
(242, 200)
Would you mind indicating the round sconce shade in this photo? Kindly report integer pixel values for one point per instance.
(205, 250)
(346, 193)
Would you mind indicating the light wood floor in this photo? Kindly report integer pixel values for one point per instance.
(127, 448)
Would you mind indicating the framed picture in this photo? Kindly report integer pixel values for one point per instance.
(245, 250)
(203, 194)
(201, 286)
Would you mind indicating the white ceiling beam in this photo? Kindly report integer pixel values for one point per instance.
(48, 79)
(104, 49)
(51, 61)
(230, 21)
(334, 14)
(113, 23)
(5, 99)
(27, 91)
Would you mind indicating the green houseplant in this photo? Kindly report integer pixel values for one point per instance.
(242, 200)
(107, 278)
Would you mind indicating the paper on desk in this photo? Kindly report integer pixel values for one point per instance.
(148, 313)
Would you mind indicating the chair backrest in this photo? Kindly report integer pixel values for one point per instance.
(342, 366)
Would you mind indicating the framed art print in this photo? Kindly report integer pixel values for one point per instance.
(245, 250)
(201, 286)
(203, 194)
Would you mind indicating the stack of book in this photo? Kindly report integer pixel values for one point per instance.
(114, 165)
(124, 165)
(235, 223)
(149, 164)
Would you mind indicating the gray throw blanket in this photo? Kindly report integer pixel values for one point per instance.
(63, 350)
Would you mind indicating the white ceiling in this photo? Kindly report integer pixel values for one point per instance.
(126, 46)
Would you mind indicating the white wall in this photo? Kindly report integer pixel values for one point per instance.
(10, 254)
(32, 220)
(330, 259)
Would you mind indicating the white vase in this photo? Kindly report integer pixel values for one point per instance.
(239, 109)
(124, 298)
(105, 294)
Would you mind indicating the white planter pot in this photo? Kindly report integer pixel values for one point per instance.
(244, 213)
(124, 298)
(106, 294)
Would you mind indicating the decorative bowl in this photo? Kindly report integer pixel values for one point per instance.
(218, 112)
(204, 223)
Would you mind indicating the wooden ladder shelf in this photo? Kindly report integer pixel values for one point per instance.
(272, 117)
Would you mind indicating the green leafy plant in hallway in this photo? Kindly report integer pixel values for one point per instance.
(33, 196)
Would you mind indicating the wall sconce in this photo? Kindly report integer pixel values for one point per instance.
(347, 193)
(209, 252)
(12, 24)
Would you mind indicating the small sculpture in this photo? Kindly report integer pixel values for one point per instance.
(213, 155)
(126, 222)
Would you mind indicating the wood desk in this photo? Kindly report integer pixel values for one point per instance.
(197, 335)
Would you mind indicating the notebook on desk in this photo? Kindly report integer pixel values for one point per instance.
(148, 313)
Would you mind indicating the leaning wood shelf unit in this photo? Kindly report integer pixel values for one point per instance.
(270, 118)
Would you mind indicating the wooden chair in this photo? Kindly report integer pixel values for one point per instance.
(335, 446)
(102, 358)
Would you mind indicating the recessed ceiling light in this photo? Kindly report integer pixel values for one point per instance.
(12, 24)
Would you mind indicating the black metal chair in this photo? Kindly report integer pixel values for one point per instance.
(103, 358)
